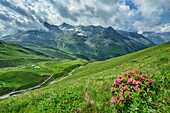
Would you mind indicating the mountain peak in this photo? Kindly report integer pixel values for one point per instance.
(110, 30)
(65, 25)
(53, 28)
(46, 24)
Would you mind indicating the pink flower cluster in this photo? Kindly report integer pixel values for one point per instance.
(114, 99)
(127, 84)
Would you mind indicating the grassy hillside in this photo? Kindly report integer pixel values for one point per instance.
(13, 55)
(26, 77)
(47, 50)
(17, 69)
(88, 89)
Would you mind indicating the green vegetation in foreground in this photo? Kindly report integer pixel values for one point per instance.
(26, 77)
(88, 89)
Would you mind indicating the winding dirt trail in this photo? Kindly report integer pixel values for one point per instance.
(15, 93)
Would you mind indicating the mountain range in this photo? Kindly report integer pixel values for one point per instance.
(89, 42)
(157, 38)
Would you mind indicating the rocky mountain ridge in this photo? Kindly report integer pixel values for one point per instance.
(95, 42)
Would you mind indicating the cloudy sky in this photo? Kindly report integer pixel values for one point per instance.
(129, 15)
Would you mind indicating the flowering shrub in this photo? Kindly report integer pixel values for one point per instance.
(131, 89)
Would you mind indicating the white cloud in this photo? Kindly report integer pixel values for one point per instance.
(165, 28)
(30, 14)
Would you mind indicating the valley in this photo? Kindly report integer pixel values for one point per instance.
(88, 88)
(26, 77)
(22, 68)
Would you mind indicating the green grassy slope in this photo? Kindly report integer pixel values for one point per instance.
(17, 72)
(83, 93)
(47, 50)
(26, 77)
(13, 55)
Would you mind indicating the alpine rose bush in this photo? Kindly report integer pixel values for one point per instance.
(130, 88)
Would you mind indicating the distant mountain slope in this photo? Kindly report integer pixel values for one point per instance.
(52, 28)
(48, 50)
(165, 36)
(154, 37)
(13, 55)
(94, 42)
(145, 42)
(37, 40)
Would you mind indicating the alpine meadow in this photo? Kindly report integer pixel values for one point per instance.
(76, 56)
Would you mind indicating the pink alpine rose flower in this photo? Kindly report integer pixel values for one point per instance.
(136, 70)
(120, 76)
(133, 81)
(133, 72)
(125, 87)
(137, 82)
(141, 77)
(119, 80)
(127, 72)
(113, 99)
(145, 75)
(121, 98)
(120, 93)
(152, 80)
(129, 93)
(140, 83)
(115, 89)
(134, 88)
(147, 83)
(121, 90)
(114, 83)
(130, 80)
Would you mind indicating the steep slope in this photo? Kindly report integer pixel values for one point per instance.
(109, 43)
(88, 89)
(52, 28)
(144, 42)
(13, 55)
(95, 42)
